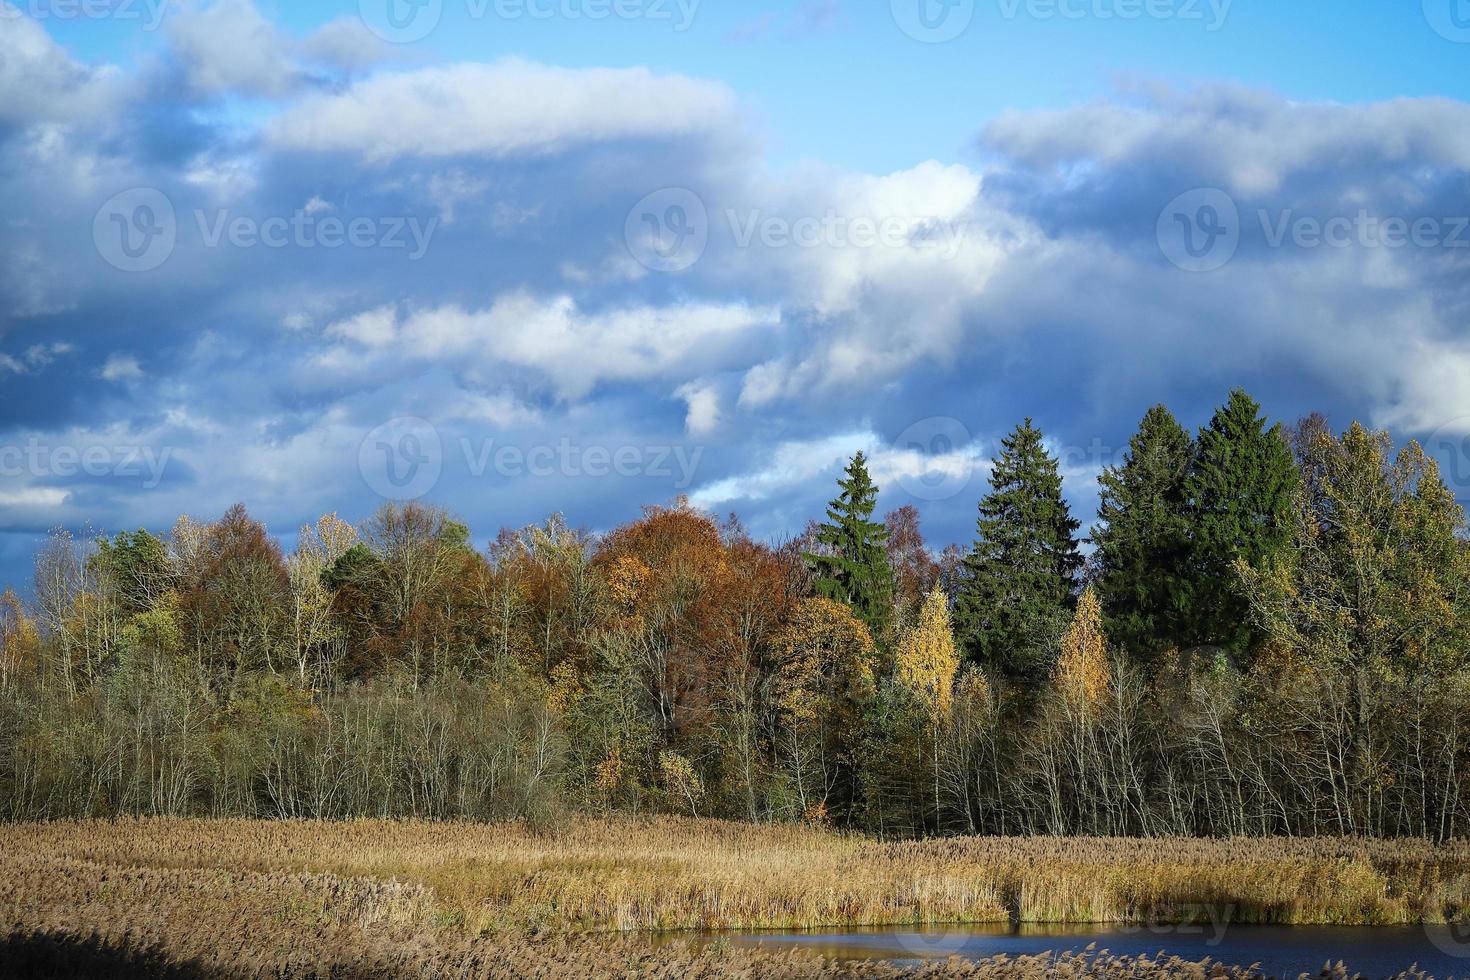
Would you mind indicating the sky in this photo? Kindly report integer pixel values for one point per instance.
(516, 257)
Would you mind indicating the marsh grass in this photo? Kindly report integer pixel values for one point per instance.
(616, 874)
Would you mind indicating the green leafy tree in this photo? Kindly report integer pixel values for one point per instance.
(1240, 490)
(135, 567)
(1016, 585)
(851, 564)
(1142, 537)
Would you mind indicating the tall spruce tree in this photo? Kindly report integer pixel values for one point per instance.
(1016, 589)
(1142, 538)
(852, 566)
(1240, 490)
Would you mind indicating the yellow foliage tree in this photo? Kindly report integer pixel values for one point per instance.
(927, 658)
(1082, 671)
(20, 641)
(824, 658)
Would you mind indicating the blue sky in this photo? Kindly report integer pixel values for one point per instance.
(517, 258)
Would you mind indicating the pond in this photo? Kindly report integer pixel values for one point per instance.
(1279, 950)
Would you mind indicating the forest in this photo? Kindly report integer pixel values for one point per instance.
(1264, 634)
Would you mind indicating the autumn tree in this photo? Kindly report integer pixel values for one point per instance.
(1016, 584)
(408, 588)
(1082, 668)
(1377, 576)
(915, 572)
(665, 575)
(315, 635)
(926, 663)
(20, 640)
(234, 613)
(851, 563)
(927, 658)
(823, 678)
(542, 602)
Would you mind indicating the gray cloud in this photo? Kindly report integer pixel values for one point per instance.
(828, 310)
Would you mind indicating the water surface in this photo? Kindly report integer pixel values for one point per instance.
(1377, 951)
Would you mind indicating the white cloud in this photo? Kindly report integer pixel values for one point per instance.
(574, 349)
(40, 81)
(347, 44)
(36, 357)
(796, 464)
(703, 399)
(32, 497)
(121, 367)
(228, 46)
(43, 355)
(889, 269)
(371, 328)
(507, 109)
(1247, 140)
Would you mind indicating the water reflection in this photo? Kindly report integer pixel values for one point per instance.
(1275, 950)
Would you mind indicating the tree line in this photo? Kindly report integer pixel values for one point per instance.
(1268, 635)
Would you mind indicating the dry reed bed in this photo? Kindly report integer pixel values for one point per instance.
(623, 874)
(61, 919)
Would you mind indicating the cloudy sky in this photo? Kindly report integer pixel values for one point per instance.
(524, 256)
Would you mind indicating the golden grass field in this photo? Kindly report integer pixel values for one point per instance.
(417, 899)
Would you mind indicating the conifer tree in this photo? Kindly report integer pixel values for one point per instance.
(1142, 537)
(1240, 489)
(1016, 589)
(852, 565)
